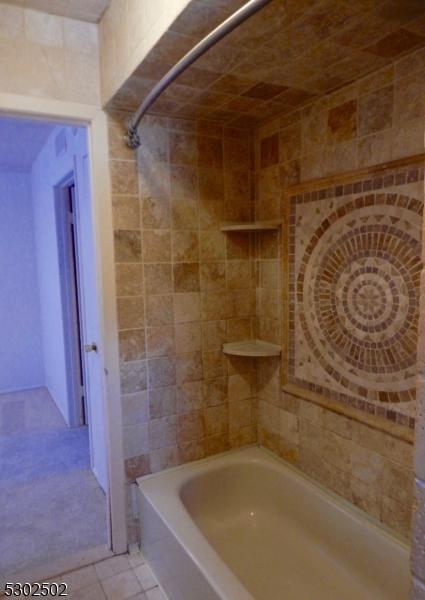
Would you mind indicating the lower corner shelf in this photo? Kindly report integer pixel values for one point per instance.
(252, 348)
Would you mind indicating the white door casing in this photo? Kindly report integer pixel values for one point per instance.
(92, 364)
(101, 208)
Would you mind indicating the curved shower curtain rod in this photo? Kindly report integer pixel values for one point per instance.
(246, 11)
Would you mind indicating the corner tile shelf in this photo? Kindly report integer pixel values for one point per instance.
(251, 226)
(252, 348)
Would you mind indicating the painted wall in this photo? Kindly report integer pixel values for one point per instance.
(47, 172)
(21, 362)
(376, 119)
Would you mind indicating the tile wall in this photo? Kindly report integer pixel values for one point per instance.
(83, 10)
(376, 119)
(127, 31)
(48, 56)
(184, 288)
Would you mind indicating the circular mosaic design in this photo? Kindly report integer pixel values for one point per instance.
(357, 295)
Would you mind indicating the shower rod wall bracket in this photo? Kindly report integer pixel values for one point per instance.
(241, 15)
(133, 138)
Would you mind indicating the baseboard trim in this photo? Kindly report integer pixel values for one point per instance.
(24, 389)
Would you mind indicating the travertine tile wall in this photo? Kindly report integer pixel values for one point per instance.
(376, 119)
(127, 31)
(418, 541)
(184, 288)
(367, 467)
(48, 56)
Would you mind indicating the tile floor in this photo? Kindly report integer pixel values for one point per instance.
(124, 577)
(45, 480)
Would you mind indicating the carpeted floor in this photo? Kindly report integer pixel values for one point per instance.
(50, 503)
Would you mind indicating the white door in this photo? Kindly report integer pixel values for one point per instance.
(92, 363)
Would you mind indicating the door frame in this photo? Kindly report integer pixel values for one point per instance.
(94, 119)
(70, 301)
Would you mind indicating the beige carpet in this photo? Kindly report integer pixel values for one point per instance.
(50, 503)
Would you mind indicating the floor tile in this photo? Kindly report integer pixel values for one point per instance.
(80, 578)
(92, 592)
(136, 560)
(112, 566)
(156, 594)
(121, 586)
(145, 576)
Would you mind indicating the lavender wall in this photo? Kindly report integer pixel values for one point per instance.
(21, 362)
(48, 171)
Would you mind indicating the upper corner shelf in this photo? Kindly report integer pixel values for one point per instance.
(251, 226)
(252, 348)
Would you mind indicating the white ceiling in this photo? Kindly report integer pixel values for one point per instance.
(20, 142)
(83, 10)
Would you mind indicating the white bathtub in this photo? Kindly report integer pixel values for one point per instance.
(245, 525)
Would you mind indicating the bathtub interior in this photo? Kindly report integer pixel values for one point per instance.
(276, 530)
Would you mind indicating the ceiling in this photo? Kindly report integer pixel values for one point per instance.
(20, 142)
(284, 56)
(82, 10)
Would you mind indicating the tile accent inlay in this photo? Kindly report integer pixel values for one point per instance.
(355, 264)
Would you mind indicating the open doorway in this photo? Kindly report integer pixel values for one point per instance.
(72, 293)
(54, 478)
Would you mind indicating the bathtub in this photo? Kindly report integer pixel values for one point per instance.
(244, 525)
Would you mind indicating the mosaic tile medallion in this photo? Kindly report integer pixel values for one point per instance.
(355, 264)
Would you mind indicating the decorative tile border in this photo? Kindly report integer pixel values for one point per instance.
(359, 279)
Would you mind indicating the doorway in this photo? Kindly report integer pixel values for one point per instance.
(54, 483)
(72, 294)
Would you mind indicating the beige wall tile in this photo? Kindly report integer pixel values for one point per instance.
(129, 279)
(160, 341)
(132, 344)
(162, 402)
(189, 367)
(156, 245)
(184, 213)
(189, 397)
(214, 364)
(80, 37)
(185, 246)
(135, 408)
(190, 426)
(187, 307)
(126, 212)
(131, 313)
(213, 276)
(186, 277)
(161, 372)
(162, 432)
(216, 419)
(133, 376)
(123, 177)
(128, 246)
(213, 335)
(155, 213)
(212, 246)
(11, 21)
(158, 278)
(43, 28)
(159, 310)
(188, 337)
